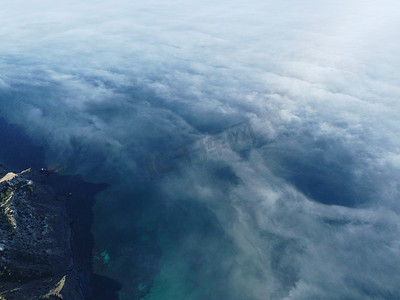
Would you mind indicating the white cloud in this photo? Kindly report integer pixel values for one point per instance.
(108, 82)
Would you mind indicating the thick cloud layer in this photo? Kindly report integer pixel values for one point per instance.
(309, 212)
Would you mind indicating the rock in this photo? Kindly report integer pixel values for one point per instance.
(36, 260)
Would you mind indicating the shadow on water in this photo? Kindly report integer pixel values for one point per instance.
(17, 152)
(323, 170)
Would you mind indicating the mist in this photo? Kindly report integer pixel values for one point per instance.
(308, 210)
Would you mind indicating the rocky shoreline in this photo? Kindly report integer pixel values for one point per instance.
(45, 238)
(36, 258)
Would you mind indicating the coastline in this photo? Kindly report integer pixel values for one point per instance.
(18, 153)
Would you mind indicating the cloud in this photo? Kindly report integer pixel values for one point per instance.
(309, 212)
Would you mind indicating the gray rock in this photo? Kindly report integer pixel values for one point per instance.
(36, 260)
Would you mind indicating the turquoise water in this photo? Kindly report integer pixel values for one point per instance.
(162, 246)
